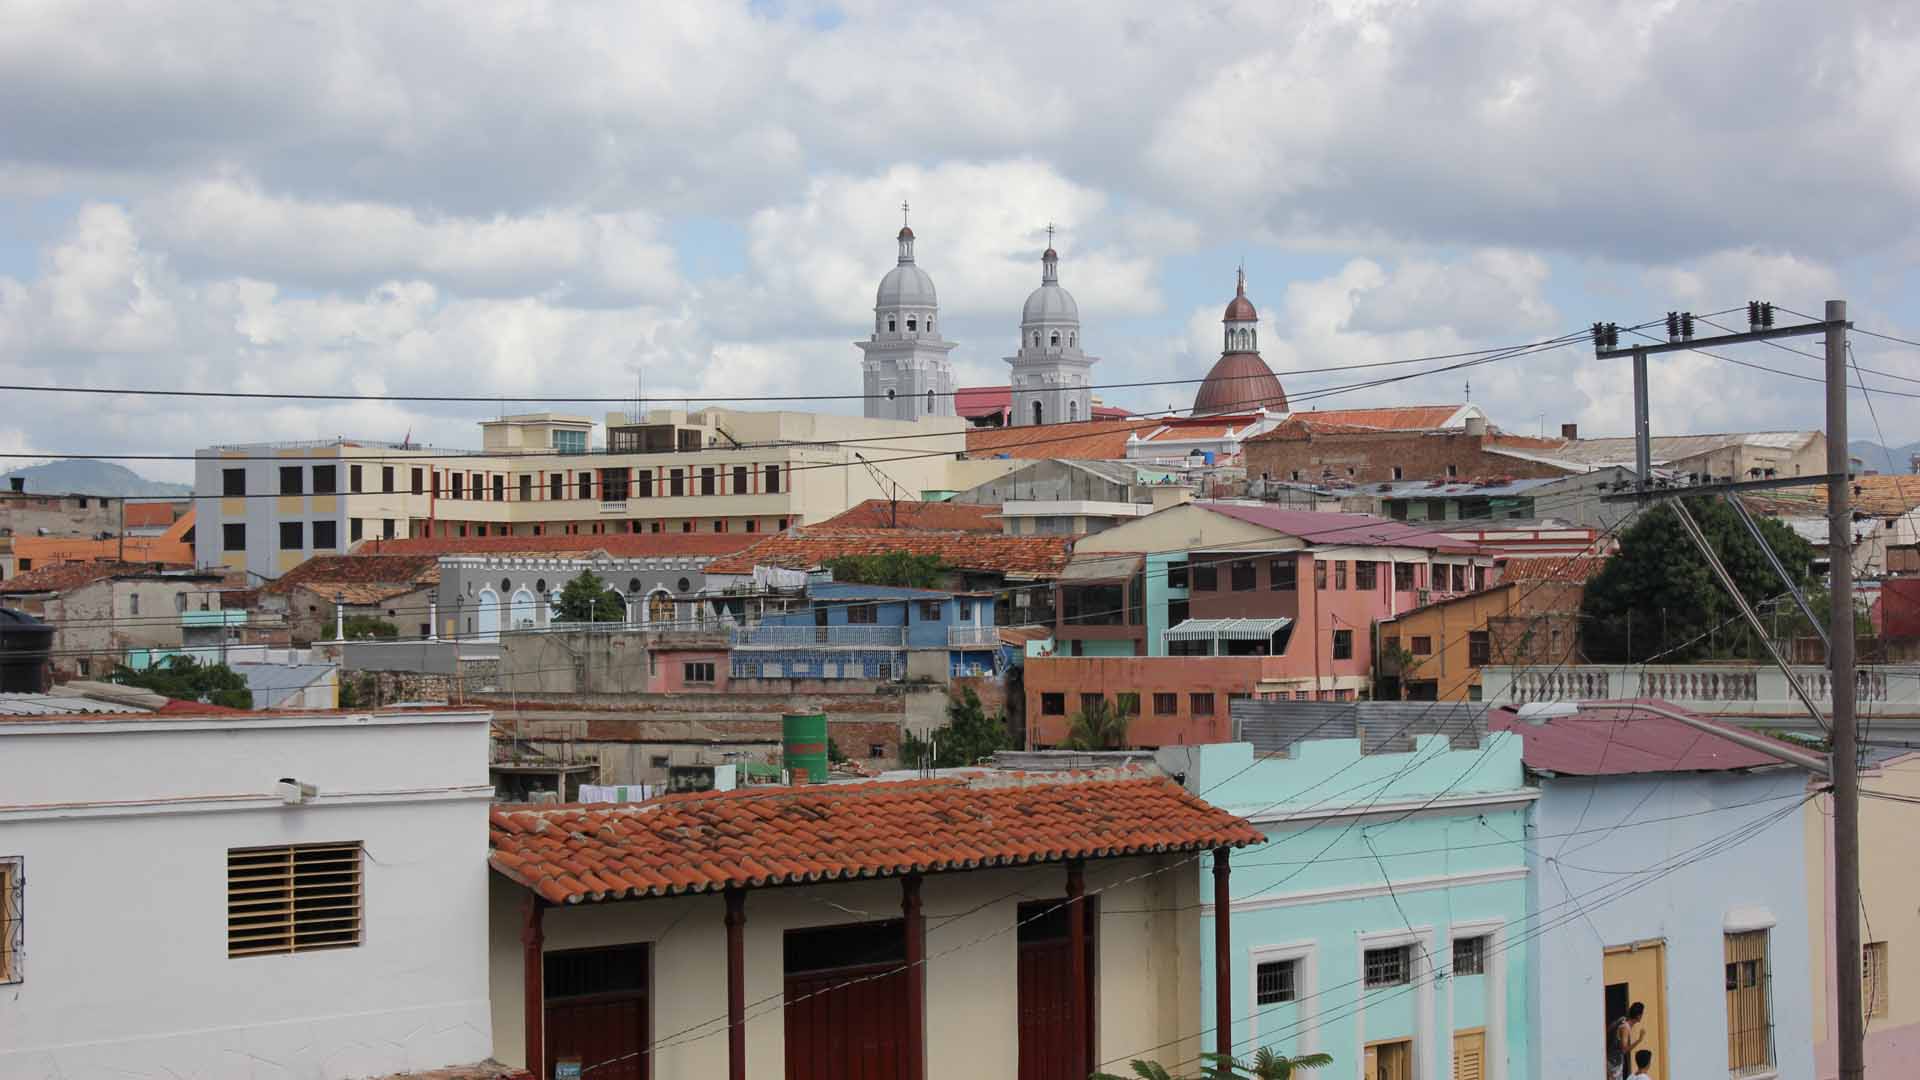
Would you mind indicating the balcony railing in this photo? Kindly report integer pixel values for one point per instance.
(974, 636)
(1763, 687)
(786, 637)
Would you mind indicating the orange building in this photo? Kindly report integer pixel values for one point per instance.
(172, 547)
(1183, 700)
(1532, 616)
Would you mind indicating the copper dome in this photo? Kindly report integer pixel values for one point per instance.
(1241, 309)
(1239, 382)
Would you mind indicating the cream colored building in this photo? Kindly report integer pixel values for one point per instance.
(266, 508)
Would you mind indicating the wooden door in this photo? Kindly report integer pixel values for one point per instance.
(597, 1010)
(846, 1023)
(1388, 1061)
(1638, 972)
(1470, 1054)
(1045, 990)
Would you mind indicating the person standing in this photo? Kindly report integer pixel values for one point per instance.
(1623, 1038)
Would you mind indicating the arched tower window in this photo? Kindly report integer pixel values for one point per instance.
(912, 324)
(1036, 337)
(1072, 338)
(890, 326)
(1253, 339)
(1038, 418)
(929, 403)
(1056, 339)
(1073, 410)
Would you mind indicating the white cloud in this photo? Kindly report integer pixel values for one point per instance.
(98, 291)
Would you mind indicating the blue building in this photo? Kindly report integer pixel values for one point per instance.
(1383, 922)
(873, 632)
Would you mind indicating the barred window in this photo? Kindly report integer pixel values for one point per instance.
(1470, 956)
(13, 923)
(293, 898)
(1749, 1012)
(1389, 967)
(1274, 982)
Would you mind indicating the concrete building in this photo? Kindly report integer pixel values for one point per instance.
(1074, 497)
(311, 894)
(481, 595)
(87, 517)
(1384, 921)
(1665, 869)
(168, 545)
(1530, 618)
(311, 599)
(102, 611)
(964, 927)
(873, 632)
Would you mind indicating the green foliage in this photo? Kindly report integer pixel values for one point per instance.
(587, 599)
(364, 627)
(1102, 725)
(893, 568)
(1265, 1065)
(1658, 594)
(968, 737)
(349, 692)
(834, 756)
(187, 679)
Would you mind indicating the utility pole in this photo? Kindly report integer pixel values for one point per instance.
(1846, 756)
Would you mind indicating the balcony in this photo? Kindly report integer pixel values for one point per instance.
(619, 507)
(1738, 689)
(201, 620)
(974, 637)
(789, 637)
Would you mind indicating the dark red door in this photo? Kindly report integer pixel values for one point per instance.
(597, 1011)
(1046, 987)
(846, 1002)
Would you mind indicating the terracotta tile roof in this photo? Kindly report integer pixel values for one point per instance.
(148, 515)
(1881, 496)
(1409, 418)
(623, 545)
(757, 837)
(66, 576)
(1086, 439)
(362, 594)
(977, 401)
(335, 570)
(1615, 743)
(807, 547)
(878, 514)
(1573, 568)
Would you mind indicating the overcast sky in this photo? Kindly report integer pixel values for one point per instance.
(569, 197)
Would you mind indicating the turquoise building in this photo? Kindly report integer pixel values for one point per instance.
(1384, 922)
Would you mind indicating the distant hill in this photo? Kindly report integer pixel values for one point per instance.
(85, 476)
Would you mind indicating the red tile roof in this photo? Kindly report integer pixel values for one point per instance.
(756, 837)
(1359, 530)
(1575, 568)
(1092, 439)
(807, 547)
(1614, 743)
(977, 401)
(326, 571)
(878, 514)
(66, 576)
(622, 545)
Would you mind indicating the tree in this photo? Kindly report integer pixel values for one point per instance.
(187, 679)
(364, 627)
(892, 568)
(1103, 726)
(1266, 1065)
(1658, 597)
(587, 599)
(968, 737)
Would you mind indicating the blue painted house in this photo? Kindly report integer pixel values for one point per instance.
(1383, 922)
(873, 632)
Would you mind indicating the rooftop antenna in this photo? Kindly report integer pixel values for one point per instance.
(1469, 389)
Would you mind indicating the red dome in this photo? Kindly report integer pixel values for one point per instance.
(1241, 309)
(906, 233)
(1240, 382)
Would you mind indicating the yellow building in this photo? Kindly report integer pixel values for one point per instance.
(1531, 617)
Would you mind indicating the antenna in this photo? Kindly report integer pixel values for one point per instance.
(903, 213)
(1049, 234)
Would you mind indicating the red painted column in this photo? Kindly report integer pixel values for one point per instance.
(1077, 966)
(533, 939)
(916, 930)
(736, 984)
(1222, 955)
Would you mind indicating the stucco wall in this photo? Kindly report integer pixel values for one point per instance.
(1143, 963)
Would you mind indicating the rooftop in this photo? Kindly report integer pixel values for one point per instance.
(64, 577)
(1878, 495)
(1621, 743)
(978, 401)
(758, 837)
(913, 514)
(1573, 568)
(1359, 530)
(619, 545)
(808, 547)
(328, 574)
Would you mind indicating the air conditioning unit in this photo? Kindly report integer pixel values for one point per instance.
(294, 793)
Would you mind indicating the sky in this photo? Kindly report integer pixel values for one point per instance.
(696, 201)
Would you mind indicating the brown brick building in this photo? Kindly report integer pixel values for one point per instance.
(1311, 450)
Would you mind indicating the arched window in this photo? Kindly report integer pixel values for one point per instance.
(890, 326)
(1055, 342)
(633, 585)
(929, 401)
(912, 323)
(1073, 410)
(1037, 414)
(929, 324)
(1253, 339)
(1073, 339)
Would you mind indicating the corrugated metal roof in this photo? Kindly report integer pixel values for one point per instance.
(1617, 743)
(1382, 726)
(19, 704)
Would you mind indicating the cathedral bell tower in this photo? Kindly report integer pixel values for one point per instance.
(907, 373)
(1051, 375)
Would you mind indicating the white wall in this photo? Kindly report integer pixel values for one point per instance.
(124, 828)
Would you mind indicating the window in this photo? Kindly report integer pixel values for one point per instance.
(1320, 574)
(499, 487)
(585, 485)
(1749, 1019)
(1053, 704)
(1343, 644)
(707, 486)
(1274, 982)
(1459, 579)
(233, 483)
(292, 899)
(658, 761)
(1177, 575)
(1399, 473)
(1403, 577)
(1340, 575)
(386, 528)
(739, 479)
(1165, 704)
(133, 603)
(233, 537)
(1206, 576)
(1200, 704)
(876, 750)
(1366, 576)
(1283, 575)
(1090, 702)
(418, 481)
(613, 485)
(643, 480)
(930, 610)
(13, 923)
(1389, 967)
(290, 480)
(386, 479)
(700, 672)
(570, 442)
(1240, 575)
(864, 614)
(355, 528)
(773, 481)
(1422, 645)
(1479, 648)
(1470, 955)
(292, 535)
(556, 486)
(676, 482)
(1873, 977)
(353, 478)
(325, 478)
(436, 484)
(326, 534)
(460, 485)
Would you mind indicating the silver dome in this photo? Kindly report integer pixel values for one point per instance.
(1050, 304)
(906, 285)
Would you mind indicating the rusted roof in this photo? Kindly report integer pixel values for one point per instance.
(878, 514)
(412, 571)
(1572, 569)
(1881, 496)
(756, 837)
(1618, 743)
(67, 576)
(1358, 530)
(808, 547)
(361, 594)
(622, 545)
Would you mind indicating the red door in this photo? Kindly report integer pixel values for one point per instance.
(1046, 987)
(597, 1011)
(846, 1023)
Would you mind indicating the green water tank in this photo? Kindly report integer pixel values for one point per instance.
(803, 744)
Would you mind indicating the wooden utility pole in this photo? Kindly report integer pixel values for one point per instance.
(1846, 755)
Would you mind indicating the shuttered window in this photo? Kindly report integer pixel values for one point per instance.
(13, 925)
(1749, 1015)
(1470, 1055)
(294, 898)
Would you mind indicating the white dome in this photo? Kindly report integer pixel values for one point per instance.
(1050, 304)
(905, 285)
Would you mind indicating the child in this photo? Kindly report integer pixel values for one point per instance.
(1642, 1060)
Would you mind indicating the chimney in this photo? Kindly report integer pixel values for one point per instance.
(1569, 431)
(1476, 425)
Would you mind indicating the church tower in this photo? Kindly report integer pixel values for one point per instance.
(1051, 380)
(907, 372)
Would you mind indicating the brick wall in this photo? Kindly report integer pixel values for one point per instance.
(1370, 457)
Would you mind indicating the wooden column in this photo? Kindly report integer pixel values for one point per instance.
(736, 984)
(533, 940)
(1222, 955)
(916, 931)
(1077, 966)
